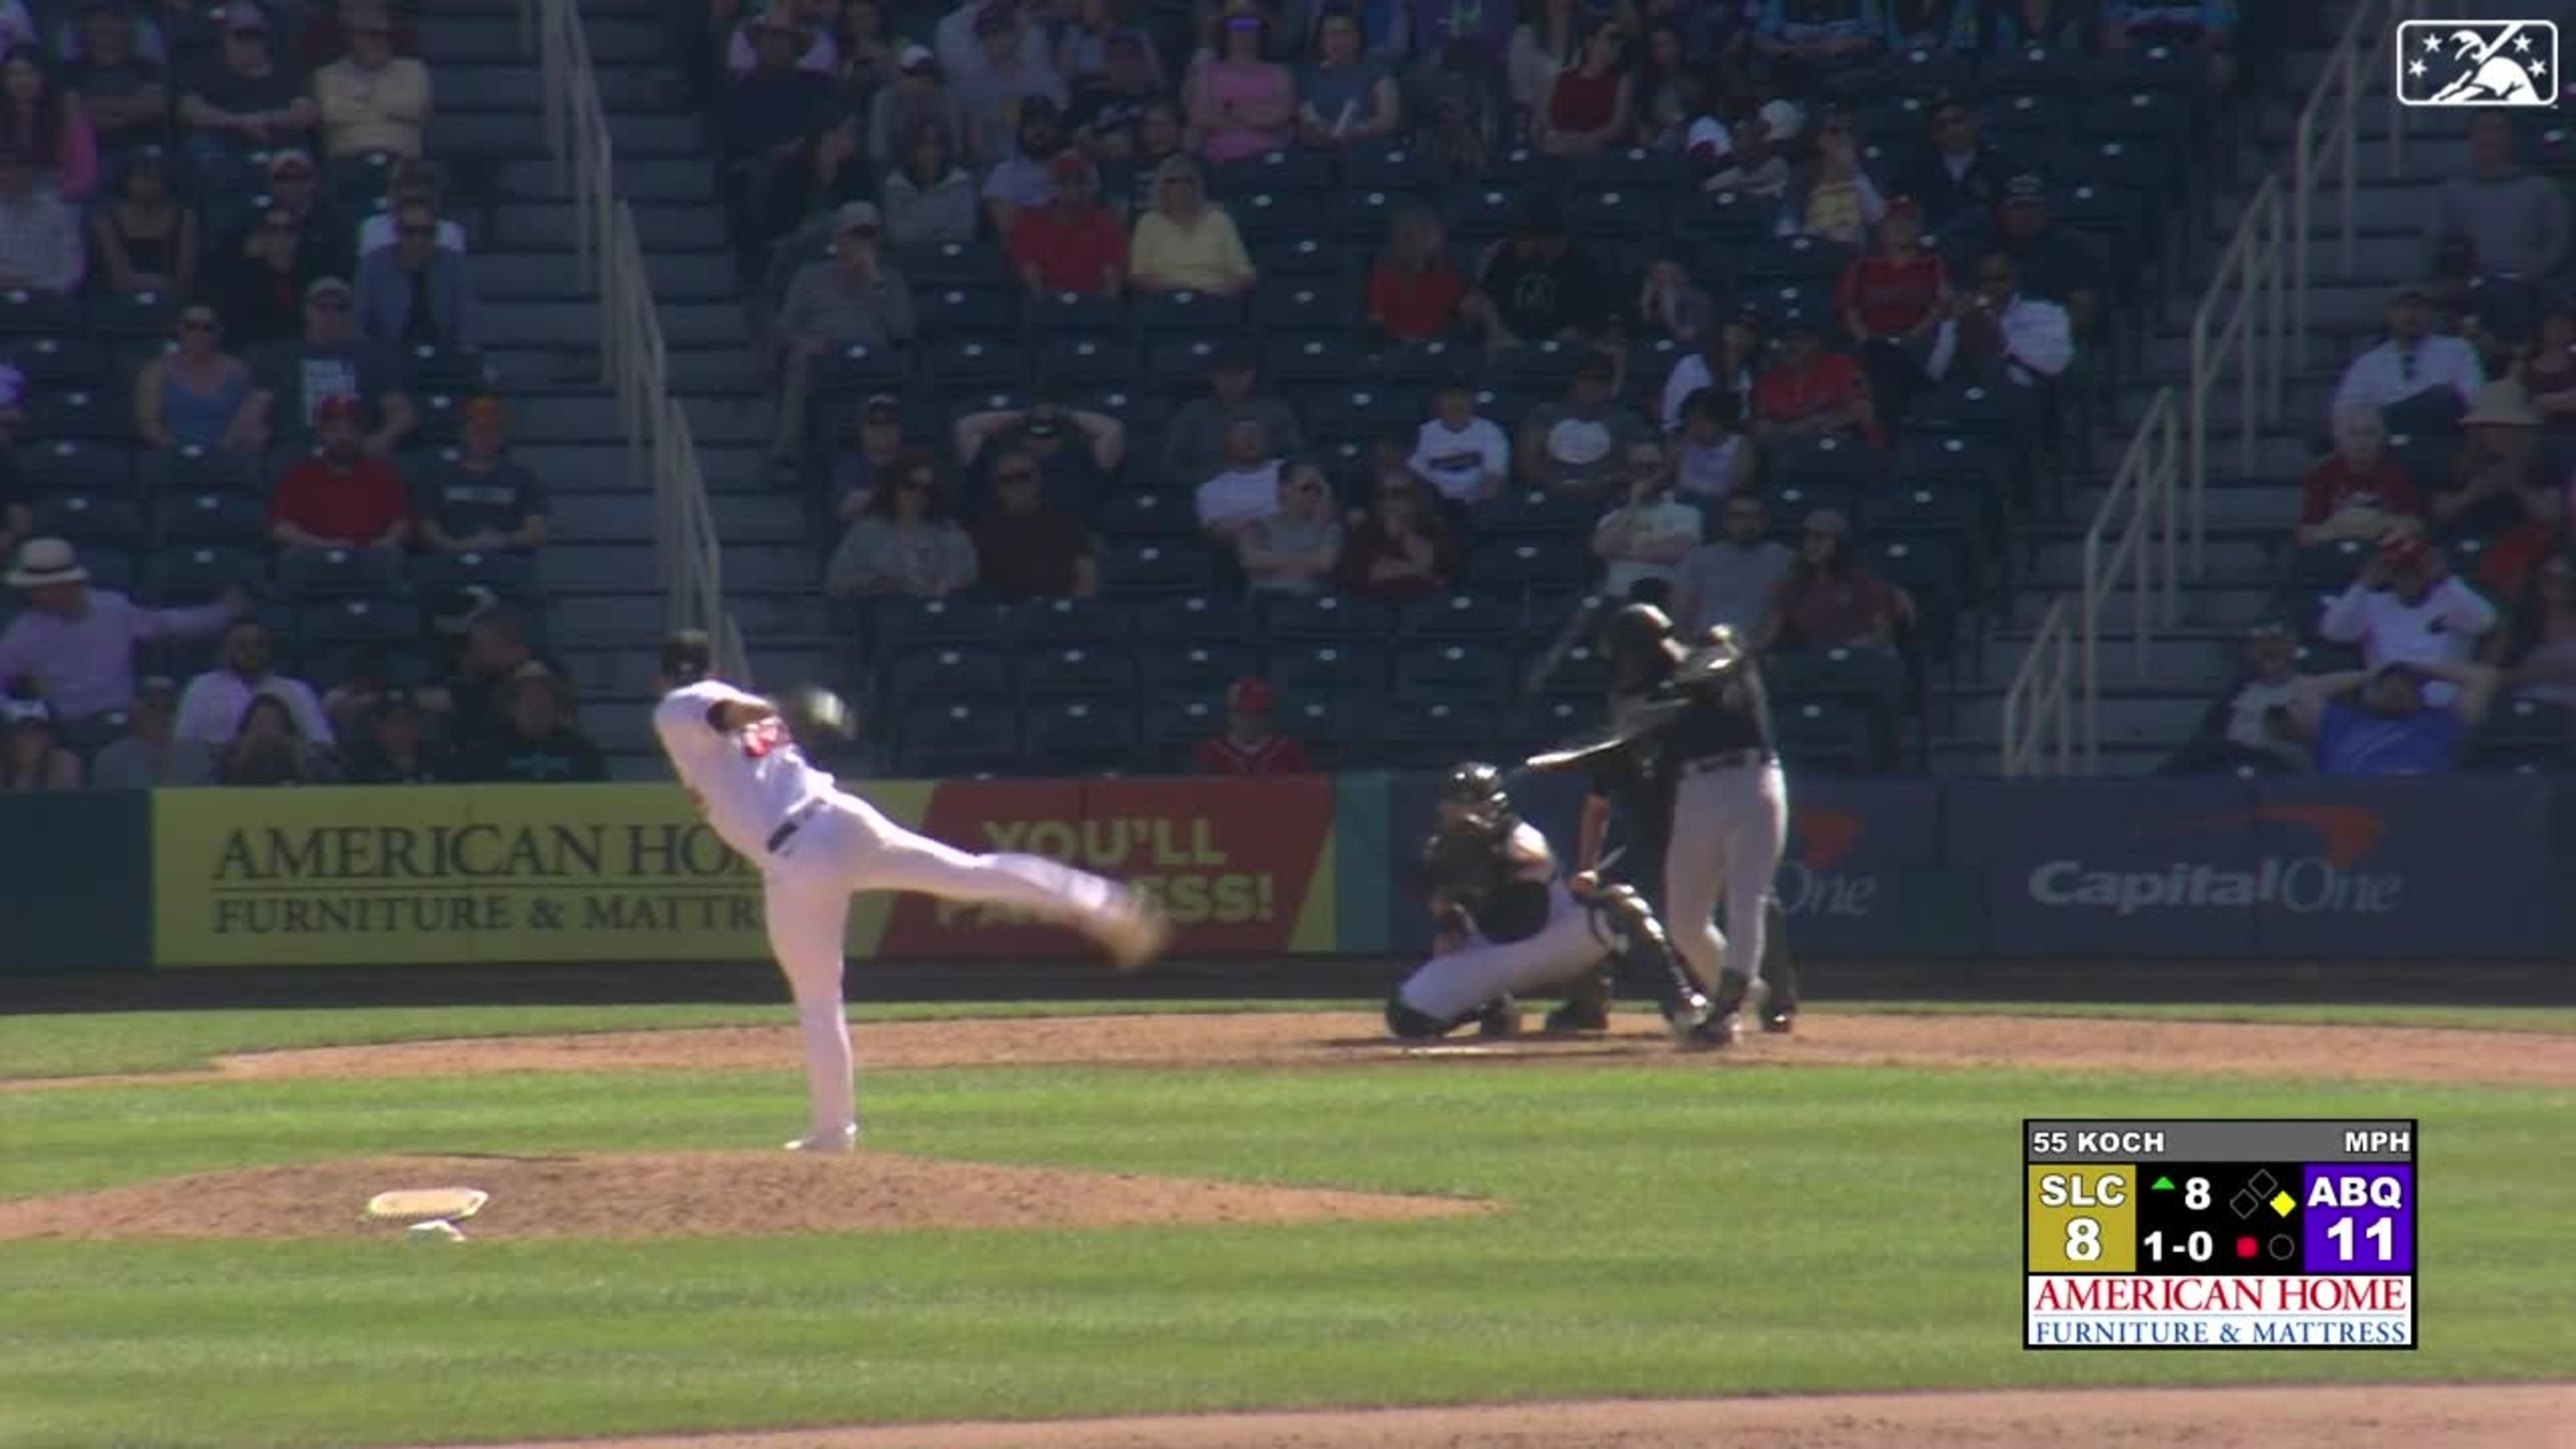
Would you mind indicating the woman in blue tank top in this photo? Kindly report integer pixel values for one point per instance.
(191, 396)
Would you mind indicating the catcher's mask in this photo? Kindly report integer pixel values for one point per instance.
(1639, 645)
(1473, 791)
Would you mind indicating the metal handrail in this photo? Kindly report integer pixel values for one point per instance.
(634, 358)
(2131, 542)
(2038, 717)
(2241, 328)
(2325, 146)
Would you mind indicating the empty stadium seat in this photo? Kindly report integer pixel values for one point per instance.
(91, 520)
(953, 672)
(1064, 623)
(1079, 734)
(950, 737)
(1087, 671)
(1142, 568)
(372, 572)
(1437, 670)
(1310, 618)
(1197, 619)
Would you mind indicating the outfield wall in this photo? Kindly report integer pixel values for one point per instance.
(1882, 870)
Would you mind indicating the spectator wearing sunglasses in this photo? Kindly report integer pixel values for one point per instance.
(192, 395)
(1027, 548)
(415, 293)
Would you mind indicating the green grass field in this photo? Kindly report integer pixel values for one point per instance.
(1667, 1233)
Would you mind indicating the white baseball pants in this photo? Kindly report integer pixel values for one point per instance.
(848, 846)
(1454, 984)
(1730, 828)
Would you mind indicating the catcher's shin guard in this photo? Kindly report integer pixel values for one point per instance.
(1779, 969)
(1643, 953)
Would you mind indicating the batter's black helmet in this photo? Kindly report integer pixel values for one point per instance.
(1475, 785)
(1639, 646)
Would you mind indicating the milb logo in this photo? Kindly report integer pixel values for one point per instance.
(2326, 880)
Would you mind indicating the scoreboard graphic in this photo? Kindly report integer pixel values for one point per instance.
(2193, 1233)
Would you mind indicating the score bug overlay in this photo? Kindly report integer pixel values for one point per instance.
(2219, 1233)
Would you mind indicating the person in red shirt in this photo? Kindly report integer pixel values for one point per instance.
(2360, 492)
(1072, 244)
(1413, 291)
(341, 498)
(1249, 745)
(1890, 302)
(1811, 390)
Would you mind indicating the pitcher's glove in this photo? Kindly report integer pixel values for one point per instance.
(818, 717)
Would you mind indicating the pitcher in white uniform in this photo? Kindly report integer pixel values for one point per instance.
(815, 845)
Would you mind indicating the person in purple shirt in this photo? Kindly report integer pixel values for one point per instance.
(77, 643)
(2388, 728)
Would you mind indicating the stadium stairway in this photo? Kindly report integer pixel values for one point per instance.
(2146, 714)
(542, 330)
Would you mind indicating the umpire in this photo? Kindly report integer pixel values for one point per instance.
(1691, 764)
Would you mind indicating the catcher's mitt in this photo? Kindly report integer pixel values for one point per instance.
(817, 716)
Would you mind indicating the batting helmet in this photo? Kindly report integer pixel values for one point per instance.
(817, 717)
(1639, 646)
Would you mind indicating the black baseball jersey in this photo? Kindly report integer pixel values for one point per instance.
(1722, 712)
(1635, 778)
(1474, 865)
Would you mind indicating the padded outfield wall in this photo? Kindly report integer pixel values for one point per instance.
(2480, 868)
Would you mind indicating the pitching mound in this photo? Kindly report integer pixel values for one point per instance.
(715, 1194)
(2525, 1416)
(1315, 1039)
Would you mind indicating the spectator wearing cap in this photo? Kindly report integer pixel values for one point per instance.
(1830, 599)
(210, 708)
(858, 469)
(191, 396)
(149, 755)
(341, 498)
(1250, 743)
(1957, 175)
(1025, 547)
(41, 117)
(1464, 458)
(40, 237)
(1194, 444)
(1732, 578)
(1347, 94)
(1891, 302)
(1297, 550)
(1536, 285)
(1578, 443)
(1830, 195)
(1401, 550)
(487, 502)
(392, 745)
(2418, 380)
(1187, 243)
(2514, 221)
(77, 642)
(1995, 332)
(929, 199)
(1810, 390)
(540, 742)
(2358, 492)
(1023, 179)
(1641, 542)
(1592, 103)
(1414, 293)
(120, 88)
(1244, 489)
(1726, 362)
(269, 747)
(17, 510)
(412, 181)
(245, 100)
(1076, 452)
(816, 48)
(373, 101)
(32, 755)
(772, 115)
(416, 293)
(919, 99)
(998, 96)
(146, 240)
(2406, 606)
(2503, 489)
(2051, 262)
(1072, 244)
(1239, 102)
(329, 363)
(1744, 150)
(2208, 25)
(853, 298)
(1108, 107)
(2252, 726)
(905, 543)
(2411, 717)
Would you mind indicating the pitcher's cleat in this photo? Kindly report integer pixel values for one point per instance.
(845, 1140)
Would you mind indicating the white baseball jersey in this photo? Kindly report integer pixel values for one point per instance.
(748, 779)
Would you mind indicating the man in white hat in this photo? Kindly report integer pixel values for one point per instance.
(77, 642)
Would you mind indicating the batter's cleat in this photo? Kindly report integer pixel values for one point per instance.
(1689, 1023)
(845, 1140)
(1135, 932)
(1578, 1016)
(1500, 1020)
(1779, 1023)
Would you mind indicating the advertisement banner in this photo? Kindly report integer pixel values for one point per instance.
(1245, 867)
(2129, 868)
(2457, 866)
(1855, 849)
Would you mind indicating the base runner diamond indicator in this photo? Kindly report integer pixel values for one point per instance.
(2148, 1233)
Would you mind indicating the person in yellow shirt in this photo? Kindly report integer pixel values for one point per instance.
(372, 100)
(1185, 244)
